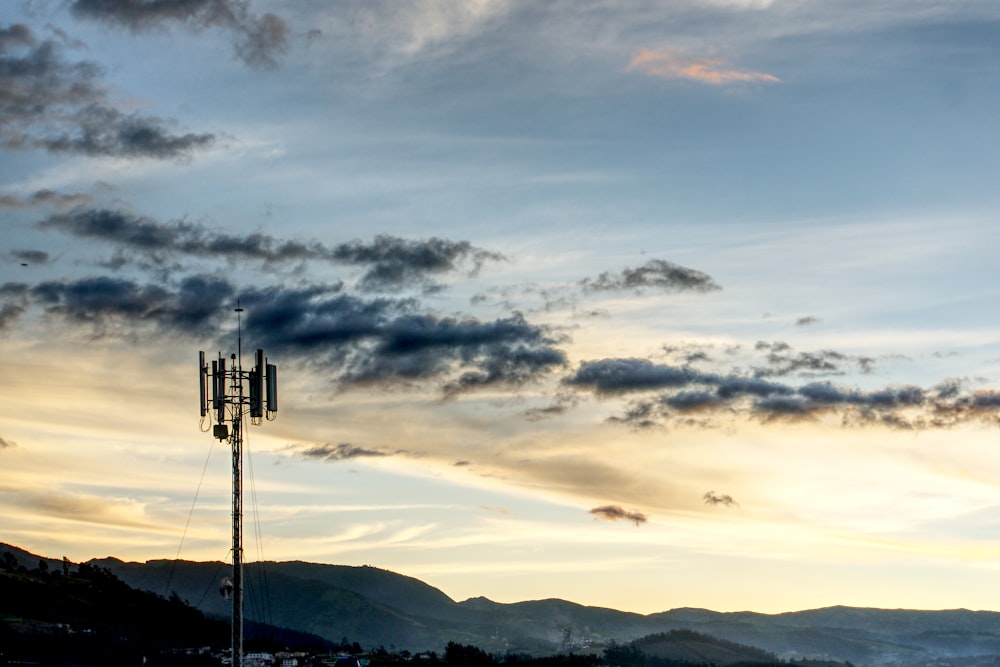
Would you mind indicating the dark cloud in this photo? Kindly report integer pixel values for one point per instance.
(339, 452)
(655, 273)
(115, 305)
(616, 376)
(694, 401)
(642, 415)
(30, 256)
(10, 312)
(683, 392)
(50, 103)
(395, 261)
(384, 341)
(7, 444)
(8, 290)
(616, 513)
(689, 353)
(101, 130)
(260, 39)
(44, 198)
(806, 321)
(157, 242)
(724, 499)
(357, 341)
(13, 303)
(782, 360)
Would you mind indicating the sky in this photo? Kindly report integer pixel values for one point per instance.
(641, 305)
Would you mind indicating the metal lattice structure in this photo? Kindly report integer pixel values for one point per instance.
(236, 394)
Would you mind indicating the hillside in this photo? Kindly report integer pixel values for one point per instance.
(84, 615)
(698, 648)
(379, 608)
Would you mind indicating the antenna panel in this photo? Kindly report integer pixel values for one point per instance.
(272, 388)
(216, 398)
(257, 387)
(202, 405)
(256, 402)
(220, 381)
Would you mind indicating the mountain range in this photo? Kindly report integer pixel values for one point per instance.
(379, 608)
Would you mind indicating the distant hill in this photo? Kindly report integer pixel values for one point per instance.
(695, 647)
(83, 615)
(379, 608)
(863, 636)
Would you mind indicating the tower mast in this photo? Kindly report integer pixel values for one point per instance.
(235, 394)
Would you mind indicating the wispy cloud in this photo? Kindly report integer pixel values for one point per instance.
(61, 106)
(338, 452)
(43, 197)
(656, 273)
(260, 39)
(391, 262)
(724, 499)
(29, 257)
(61, 505)
(395, 261)
(672, 63)
(782, 360)
(616, 513)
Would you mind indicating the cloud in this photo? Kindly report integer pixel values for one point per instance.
(7, 444)
(339, 452)
(44, 198)
(30, 256)
(560, 406)
(60, 106)
(616, 513)
(158, 242)
(782, 360)
(13, 303)
(724, 499)
(102, 130)
(392, 262)
(654, 273)
(685, 391)
(806, 321)
(357, 341)
(617, 376)
(260, 39)
(669, 63)
(395, 261)
(113, 306)
(87, 509)
(384, 341)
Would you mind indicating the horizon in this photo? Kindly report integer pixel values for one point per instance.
(670, 305)
(459, 601)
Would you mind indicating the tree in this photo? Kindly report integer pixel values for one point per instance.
(467, 656)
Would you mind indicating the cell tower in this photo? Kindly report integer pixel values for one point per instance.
(235, 394)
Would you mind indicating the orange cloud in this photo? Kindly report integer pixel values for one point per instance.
(674, 64)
